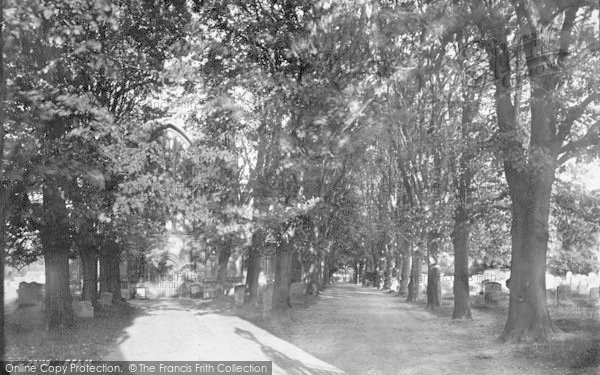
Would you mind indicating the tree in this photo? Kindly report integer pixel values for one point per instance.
(545, 34)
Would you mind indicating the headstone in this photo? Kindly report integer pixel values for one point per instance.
(568, 277)
(140, 292)
(195, 291)
(563, 292)
(595, 294)
(238, 294)
(575, 281)
(30, 293)
(552, 281)
(492, 292)
(83, 309)
(209, 290)
(106, 299)
(267, 298)
(583, 287)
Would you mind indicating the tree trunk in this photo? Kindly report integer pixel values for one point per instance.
(223, 261)
(313, 275)
(281, 287)
(326, 276)
(528, 316)
(415, 277)
(253, 269)
(89, 262)
(434, 289)
(460, 241)
(405, 271)
(54, 236)
(110, 275)
(387, 281)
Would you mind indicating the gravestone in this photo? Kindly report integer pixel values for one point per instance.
(595, 294)
(238, 294)
(583, 287)
(30, 294)
(568, 277)
(106, 299)
(209, 290)
(140, 292)
(83, 309)
(492, 292)
(563, 292)
(195, 291)
(267, 299)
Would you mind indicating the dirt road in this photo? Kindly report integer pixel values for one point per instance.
(365, 331)
(356, 329)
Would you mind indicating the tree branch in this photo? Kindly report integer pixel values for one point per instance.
(573, 148)
(573, 114)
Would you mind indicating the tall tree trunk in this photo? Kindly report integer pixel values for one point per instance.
(223, 261)
(313, 275)
(434, 289)
(253, 269)
(281, 287)
(89, 262)
(110, 275)
(54, 236)
(387, 281)
(326, 279)
(405, 270)
(528, 316)
(415, 277)
(460, 241)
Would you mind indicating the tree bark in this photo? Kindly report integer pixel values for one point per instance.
(223, 261)
(528, 316)
(110, 275)
(460, 241)
(405, 271)
(415, 277)
(313, 275)
(387, 274)
(434, 289)
(89, 262)
(253, 269)
(281, 287)
(54, 236)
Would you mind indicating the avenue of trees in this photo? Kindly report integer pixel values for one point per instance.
(394, 136)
